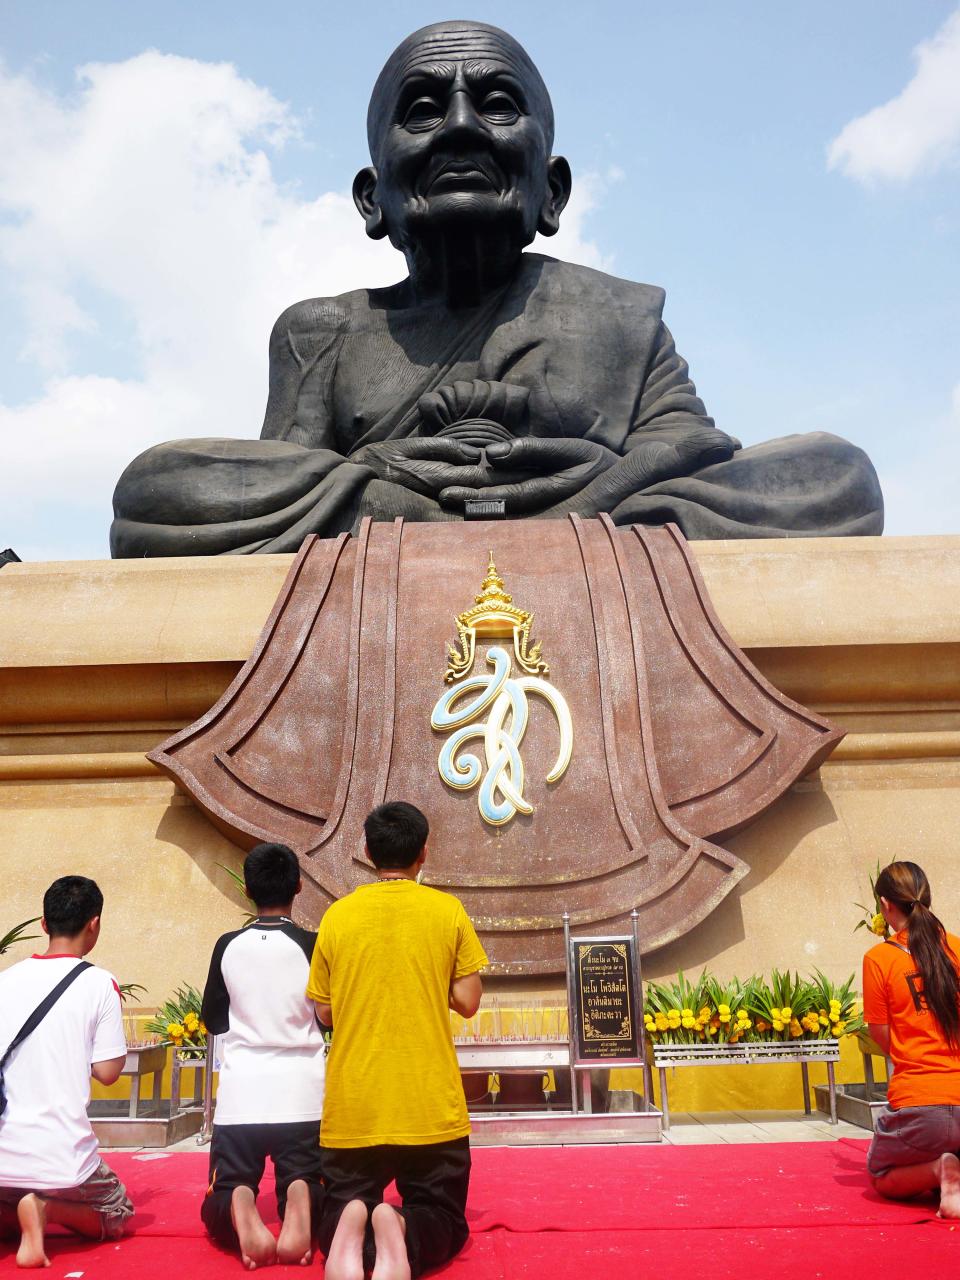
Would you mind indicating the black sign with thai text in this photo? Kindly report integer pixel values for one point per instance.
(603, 993)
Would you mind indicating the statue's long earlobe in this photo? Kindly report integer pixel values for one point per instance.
(364, 197)
(559, 185)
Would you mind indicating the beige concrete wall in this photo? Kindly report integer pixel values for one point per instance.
(99, 661)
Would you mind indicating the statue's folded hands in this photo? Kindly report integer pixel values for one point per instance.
(550, 471)
(425, 465)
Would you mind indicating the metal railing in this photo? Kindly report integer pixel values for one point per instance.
(210, 1067)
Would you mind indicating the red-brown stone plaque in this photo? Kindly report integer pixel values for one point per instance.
(677, 737)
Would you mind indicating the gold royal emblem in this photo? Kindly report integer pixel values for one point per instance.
(495, 616)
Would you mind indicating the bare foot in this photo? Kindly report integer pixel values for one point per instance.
(390, 1233)
(949, 1186)
(257, 1245)
(32, 1219)
(293, 1244)
(345, 1259)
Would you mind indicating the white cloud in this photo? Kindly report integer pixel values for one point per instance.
(144, 218)
(916, 132)
(569, 244)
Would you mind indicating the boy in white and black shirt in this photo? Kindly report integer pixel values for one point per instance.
(270, 1091)
(50, 1166)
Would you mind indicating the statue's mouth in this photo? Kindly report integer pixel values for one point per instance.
(461, 175)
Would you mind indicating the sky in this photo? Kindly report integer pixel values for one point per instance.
(172, 176)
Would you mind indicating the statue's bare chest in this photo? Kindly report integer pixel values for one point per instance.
(388, 362)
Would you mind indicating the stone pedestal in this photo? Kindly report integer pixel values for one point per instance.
(101, 661)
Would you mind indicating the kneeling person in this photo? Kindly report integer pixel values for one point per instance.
(270, 1092)
(391, 959)
(50, 1166)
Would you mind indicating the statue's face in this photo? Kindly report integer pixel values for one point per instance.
(464, 139)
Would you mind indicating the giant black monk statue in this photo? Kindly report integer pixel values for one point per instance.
(488, 372)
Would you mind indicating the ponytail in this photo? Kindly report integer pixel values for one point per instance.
(905, 885)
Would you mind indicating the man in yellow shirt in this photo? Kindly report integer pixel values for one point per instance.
(391, 959)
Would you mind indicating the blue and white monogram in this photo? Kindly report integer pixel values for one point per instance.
(505, 699)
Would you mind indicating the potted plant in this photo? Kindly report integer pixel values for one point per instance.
(178, 1022)
(16, 934)
(872, 919)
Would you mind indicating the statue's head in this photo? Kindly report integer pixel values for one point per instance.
(460, 128)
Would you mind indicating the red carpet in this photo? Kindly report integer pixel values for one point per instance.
(796, 1211)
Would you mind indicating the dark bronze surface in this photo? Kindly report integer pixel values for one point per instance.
(677, 736)
(488, 373)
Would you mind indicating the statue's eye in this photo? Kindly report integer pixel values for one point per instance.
(500, 108)
(423, 113)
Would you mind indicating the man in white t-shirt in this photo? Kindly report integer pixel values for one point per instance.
(50, 1166)
(270, 1091)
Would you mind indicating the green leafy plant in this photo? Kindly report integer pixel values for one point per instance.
(178, 1020)
(17, 934)
(128, 991)
(781, 1003)
(783, 1007)
(239, 884)
(871, 916)
(837, 1007)
(731, 1017)
(677, 1012)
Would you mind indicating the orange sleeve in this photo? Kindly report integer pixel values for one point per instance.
(875, 1006)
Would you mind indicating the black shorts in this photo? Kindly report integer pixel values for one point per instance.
(238, 1156)
(432, 1181)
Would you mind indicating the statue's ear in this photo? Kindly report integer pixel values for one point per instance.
(364, 197)
(559, 184)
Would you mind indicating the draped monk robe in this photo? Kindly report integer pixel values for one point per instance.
(594, 360)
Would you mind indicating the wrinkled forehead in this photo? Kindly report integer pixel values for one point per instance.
(445, 44)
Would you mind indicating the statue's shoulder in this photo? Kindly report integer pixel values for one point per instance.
(597, 288)
(321, 315)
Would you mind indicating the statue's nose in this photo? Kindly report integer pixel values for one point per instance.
(462, 120)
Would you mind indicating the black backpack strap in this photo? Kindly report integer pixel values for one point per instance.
(42, 1009)
(899, 945)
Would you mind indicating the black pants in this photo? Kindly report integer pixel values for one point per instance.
(432, 1182)
(238, 1154)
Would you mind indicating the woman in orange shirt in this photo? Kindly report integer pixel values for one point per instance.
(911, 1003)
